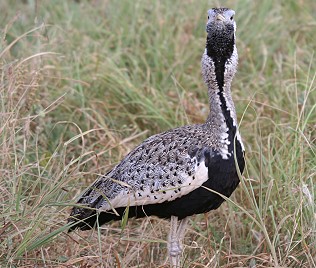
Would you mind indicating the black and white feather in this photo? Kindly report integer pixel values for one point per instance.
(168, 174)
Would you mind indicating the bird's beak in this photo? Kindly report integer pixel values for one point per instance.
(220, 17)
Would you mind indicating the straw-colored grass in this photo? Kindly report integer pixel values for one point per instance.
(83, 82)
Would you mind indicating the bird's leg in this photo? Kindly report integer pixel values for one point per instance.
(175, 240)
(173, 243)
(181, 231)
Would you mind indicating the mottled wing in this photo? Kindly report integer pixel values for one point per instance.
(163, 168)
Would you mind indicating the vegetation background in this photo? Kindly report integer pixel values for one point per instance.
(83, 82)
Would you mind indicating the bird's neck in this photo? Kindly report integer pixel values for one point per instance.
(218, 75)
(222, 109)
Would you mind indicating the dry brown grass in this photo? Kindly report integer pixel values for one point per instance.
(92, 79)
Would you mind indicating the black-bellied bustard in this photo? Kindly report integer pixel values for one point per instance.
(169, 174)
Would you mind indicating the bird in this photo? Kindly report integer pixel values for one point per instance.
(183, 171)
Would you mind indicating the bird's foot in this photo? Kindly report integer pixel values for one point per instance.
(175, 251)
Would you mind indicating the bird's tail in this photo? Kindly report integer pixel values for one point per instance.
(83, 218)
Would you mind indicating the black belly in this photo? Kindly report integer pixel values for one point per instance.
(223, 178)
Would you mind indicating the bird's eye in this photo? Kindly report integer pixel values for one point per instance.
(232, 17)
(208, 17)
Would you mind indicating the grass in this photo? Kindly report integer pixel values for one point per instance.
(83, 82)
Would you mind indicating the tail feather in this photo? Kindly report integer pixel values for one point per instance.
(87, 218)
(82, 218)
(84, 215)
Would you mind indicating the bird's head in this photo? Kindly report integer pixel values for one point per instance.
(220, 29)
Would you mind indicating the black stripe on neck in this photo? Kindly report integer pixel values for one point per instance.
(220, 52)
(228, 120)
(232, 129)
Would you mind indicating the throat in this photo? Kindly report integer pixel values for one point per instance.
(219, 50)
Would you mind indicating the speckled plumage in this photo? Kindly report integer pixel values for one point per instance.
(167, 175)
